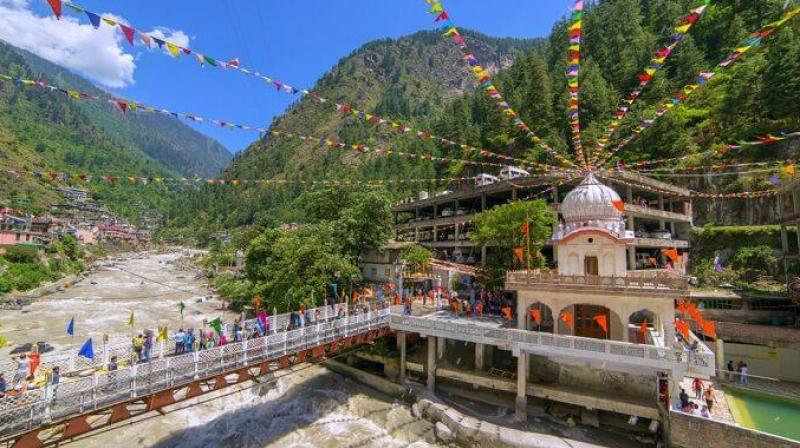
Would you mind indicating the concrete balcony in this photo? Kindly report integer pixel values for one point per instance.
(441, 221)
(655, 282)
(639, 211)
(626, 355)
(657, 243)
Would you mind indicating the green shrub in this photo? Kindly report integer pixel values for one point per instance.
(753, 262)
(20, 254)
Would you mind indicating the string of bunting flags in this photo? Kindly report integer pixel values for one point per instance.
(127, 106)
(573, 79)
(765, 140)
(698, 194)
(484, 79)
(648, 74)
(176, 51)
(753, 40)
(113, 179)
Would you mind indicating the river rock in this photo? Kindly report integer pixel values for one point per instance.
(443, 433)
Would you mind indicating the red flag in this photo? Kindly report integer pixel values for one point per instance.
(442, 16)
(234, 63)
(525, 228)
(643, 330)
(566, 317)
(602, 320)
(56, 5)
(682, 306)
(128, 32)
(520, 253)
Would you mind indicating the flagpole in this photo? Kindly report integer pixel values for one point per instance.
(528, 241)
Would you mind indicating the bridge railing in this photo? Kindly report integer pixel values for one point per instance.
(121, 347)
(700, 360)
(77, 395)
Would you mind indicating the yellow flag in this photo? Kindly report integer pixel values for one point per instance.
(436, 8)
(451, 31)
(110, 21)
(174, 50)
(789, 169)
(683, 28)
(74, 94)
(162, 334)
(130, 319)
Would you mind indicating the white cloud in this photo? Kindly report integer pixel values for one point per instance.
(73, 43)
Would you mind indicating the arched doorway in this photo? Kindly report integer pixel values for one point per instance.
(639, 324)
(590, 321)
(539, 318)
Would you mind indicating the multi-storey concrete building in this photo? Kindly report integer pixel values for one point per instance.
(658, 214)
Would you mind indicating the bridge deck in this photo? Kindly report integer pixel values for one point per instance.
(86, 403)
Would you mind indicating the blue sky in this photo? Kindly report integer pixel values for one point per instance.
(295, 42)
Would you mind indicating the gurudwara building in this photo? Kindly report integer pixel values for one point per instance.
(593, 332)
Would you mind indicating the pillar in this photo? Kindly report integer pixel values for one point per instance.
(513, 195)
(431, 363)
(661, 202)
(669, 330)
(522, 388)
(629, 194)
(480, 357)
(401, 341)
(555, 195)
(483, 255)
(632, 258)
(441, 344)
(720, 356)
(483, 202)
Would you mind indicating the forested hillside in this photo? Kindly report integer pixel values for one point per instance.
(43, 131)
(422, 80)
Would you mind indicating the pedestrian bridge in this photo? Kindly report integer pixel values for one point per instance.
(89, 397)
(80, 404)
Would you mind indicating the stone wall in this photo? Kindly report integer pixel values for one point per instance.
(584, 375)
(758, 334)
(686, 431)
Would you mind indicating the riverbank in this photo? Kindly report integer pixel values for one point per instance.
(150, 285)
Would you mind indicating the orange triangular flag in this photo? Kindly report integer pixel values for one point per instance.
(566, 317)
(525, 228)
(602, 320)
(520, 253)
(536, 315)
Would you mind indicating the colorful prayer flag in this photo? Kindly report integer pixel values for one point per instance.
(87, 351)
(56, 6)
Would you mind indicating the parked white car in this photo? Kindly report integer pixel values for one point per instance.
(512, 172)
(485, 179)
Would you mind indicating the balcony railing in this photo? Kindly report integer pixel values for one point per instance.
(640, 280)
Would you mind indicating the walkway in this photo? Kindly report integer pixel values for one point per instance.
(103, 398)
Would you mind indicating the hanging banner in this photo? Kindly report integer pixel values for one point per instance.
(484, 80)
(647, 75)
(753, 40)
(203, 59)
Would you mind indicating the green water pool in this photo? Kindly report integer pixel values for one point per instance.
(767, 413)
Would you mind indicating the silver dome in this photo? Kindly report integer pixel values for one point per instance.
(591, 201)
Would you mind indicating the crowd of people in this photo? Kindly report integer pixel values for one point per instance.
(702, 394)
(27, 374)
(473, 304)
